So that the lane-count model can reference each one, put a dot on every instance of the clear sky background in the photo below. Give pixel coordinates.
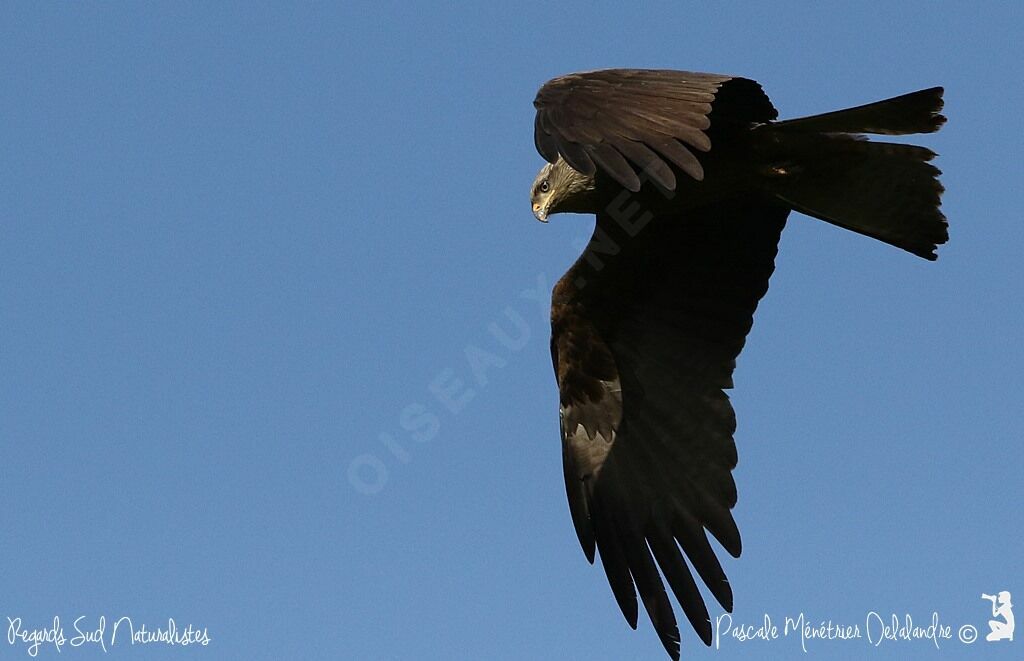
(239, 242)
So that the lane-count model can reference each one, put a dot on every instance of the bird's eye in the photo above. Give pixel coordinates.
(544, 187)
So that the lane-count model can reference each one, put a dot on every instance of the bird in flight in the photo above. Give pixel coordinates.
(691, 178)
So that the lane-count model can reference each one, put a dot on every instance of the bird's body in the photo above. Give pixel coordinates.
(691, 180)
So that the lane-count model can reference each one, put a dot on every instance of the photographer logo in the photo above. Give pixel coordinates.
(1001, 608)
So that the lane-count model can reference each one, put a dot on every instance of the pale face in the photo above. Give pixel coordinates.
(558, 188)
(542, 193)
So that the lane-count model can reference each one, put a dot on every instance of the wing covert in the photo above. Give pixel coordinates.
(631, 121)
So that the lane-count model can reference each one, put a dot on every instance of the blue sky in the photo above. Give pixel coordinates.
(243, 245)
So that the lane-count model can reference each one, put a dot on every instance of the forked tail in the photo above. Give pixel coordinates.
(823, 167)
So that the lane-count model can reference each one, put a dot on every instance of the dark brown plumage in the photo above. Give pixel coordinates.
(691, 180)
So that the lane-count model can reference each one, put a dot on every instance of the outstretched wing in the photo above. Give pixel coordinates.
(646, 327)
(613, 117)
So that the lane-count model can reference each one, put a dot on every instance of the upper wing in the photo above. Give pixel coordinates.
(613, 117)
(645, 332)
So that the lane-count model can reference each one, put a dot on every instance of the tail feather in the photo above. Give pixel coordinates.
(887, 191)
(917, 112)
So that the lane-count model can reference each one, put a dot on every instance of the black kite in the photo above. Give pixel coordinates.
(691, 179)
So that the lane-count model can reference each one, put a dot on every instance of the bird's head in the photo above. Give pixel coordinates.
(558, 188)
